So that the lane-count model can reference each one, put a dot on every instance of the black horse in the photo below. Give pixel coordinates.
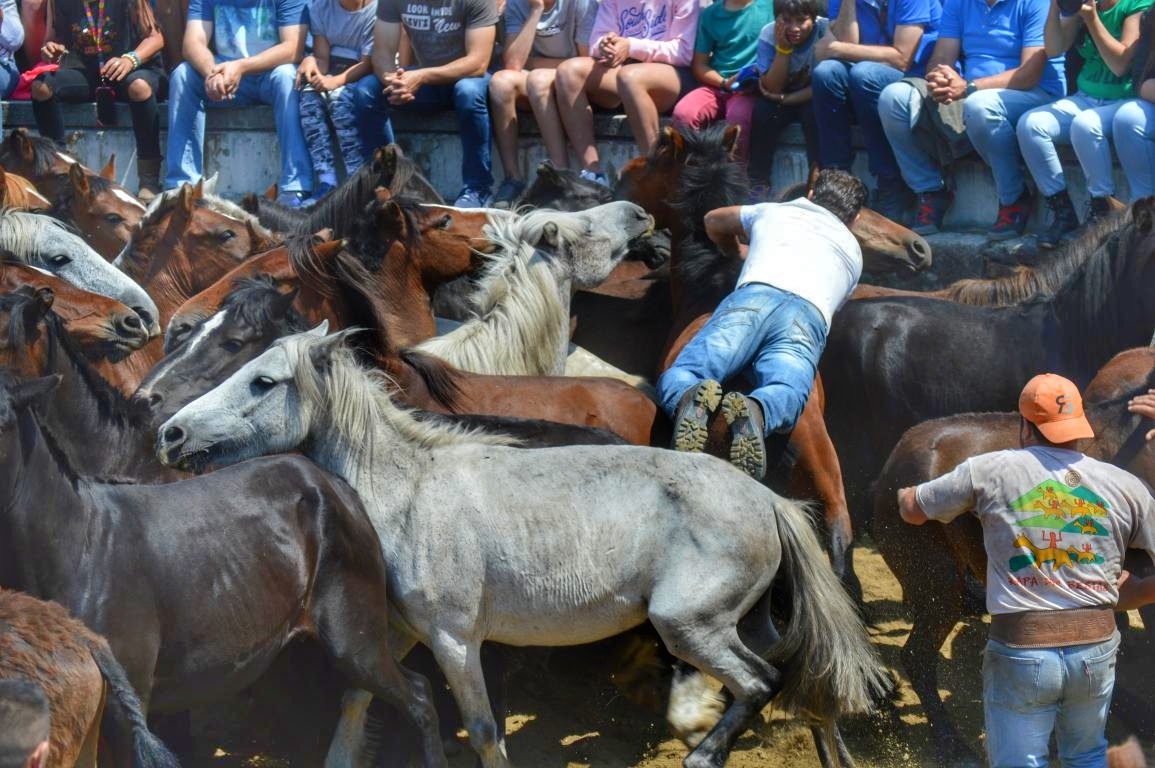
(892, 363)
(198, 585)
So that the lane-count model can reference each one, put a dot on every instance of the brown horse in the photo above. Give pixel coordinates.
(103, 327)
(20, 193)
(103, 212)
(932, 561)
(73, 665)
(43, 162)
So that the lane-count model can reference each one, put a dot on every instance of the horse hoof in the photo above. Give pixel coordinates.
(692, 421)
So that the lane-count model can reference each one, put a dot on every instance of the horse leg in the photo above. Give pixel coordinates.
(90, 748)
(461, 663)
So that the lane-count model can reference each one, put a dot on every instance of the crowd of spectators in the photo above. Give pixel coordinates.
(925, 81)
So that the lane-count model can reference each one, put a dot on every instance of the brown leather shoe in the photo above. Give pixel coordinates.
(692, 419)
(747, 434)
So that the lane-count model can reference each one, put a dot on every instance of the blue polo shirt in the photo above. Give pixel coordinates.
(991, 38)
(926, 13)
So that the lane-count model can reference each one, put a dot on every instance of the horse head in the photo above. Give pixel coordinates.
(584, 247)
(564, 190)
(103, 210)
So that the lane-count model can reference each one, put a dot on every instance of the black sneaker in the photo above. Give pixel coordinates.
(747, 435)
(1064, 221)
(892, 199)
(932, 208)
(692, 419)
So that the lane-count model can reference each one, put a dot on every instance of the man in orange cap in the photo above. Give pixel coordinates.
(1055, 526)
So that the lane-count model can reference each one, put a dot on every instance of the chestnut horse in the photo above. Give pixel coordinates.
(44, 162)
(103, 212)
(943, 555)
(73, 665)
(20, 193)
(103, 327)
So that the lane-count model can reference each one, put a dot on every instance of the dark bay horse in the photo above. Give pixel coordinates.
(932, 561)
(892, 363)
(139, 563)
(103, 212)
(74, 667)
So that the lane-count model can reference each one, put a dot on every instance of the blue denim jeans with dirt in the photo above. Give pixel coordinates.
(772, 336)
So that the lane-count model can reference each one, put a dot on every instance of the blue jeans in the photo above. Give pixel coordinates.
(1029, 692)
(318, 111)
(186, 124)
(843, 90)
(469, 96)
(9, 74)
(1082, 122)
(774, 335)
(990, 117)
(1134, 132)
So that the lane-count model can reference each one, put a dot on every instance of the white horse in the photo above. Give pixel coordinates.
(554, 546)
(523, 299)
(43, 242)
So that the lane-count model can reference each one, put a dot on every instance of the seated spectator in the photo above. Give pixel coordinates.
(1006, 72)
(171, 16)
(342, 40)
(539, 35)
(239, 53)
(785, 59)
(100, 44)
(727, 41)
(25, 722)
(639, 59)
(1106, 33)
(870, 44)
(1134, 126)
(451, 42)
(11, 38)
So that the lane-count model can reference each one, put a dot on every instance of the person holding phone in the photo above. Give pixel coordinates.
(108, 50)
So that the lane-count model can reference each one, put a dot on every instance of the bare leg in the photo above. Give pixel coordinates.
(646, 89)
(505, 88)
(579, 80)
(543, 102)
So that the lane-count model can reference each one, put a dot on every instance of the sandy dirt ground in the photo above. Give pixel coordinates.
(565, 712)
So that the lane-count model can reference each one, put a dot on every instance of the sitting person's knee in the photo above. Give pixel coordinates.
(284, 77)
(139, 90)
(471, 92)
(40, 90)
(505, 84)
(572, 73)
(539, 81)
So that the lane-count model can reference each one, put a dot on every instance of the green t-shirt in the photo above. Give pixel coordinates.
(731, 37)
(1095, 78)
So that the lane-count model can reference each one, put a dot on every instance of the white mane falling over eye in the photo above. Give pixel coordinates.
(22, 233)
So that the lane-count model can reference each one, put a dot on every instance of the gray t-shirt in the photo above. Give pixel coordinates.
(437, 27)
(1055, 524)
(560, 29)
(801, 60)
(350, 33)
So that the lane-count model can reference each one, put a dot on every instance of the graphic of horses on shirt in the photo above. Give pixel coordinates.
(1060, 525)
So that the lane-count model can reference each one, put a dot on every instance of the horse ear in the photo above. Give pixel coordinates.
(79, 179)
(545, 169)
(321, 330)
(188, 198)
(109, 169)
(271, 191)
(210, 184)
(47, 297)
(671, 143)
(34, 391)
(21, 144)
(730, 139)
(386, 158)
(249, 203)
(1143, 214)
(199, 190)
(390, 220)
(549, 233)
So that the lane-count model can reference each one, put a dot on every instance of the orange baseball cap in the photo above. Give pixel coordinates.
(1054, 405)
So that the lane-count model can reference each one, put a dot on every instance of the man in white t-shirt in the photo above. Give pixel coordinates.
(1055, 527)
(802, 264)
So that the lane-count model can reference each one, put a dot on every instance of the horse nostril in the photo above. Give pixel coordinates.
(132, 322)
(144, 314)
(154, 400)
(921, 251)
(174, 436)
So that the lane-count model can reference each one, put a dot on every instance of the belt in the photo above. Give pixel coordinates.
(1053, 629)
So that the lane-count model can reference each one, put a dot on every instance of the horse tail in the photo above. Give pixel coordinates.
(830, 667)
(148, 750)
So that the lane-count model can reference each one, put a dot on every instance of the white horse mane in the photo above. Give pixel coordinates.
(20, 231)
(521, 312)
(357, 400)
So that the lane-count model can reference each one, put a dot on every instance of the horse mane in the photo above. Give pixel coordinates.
(367, 246)
(708, 274)
(19, 231)
(249, 304)
(167, 201)
(1044, 279)
(517, 301)
(710, 177)
(45, 152)
(357, 399)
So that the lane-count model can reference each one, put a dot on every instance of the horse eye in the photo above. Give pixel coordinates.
(232, 346)
(59, 260)
(114, 218)
(445, 222)
(227, 235)
(263, 384)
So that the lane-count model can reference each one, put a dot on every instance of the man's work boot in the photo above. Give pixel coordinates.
(747, 434)
(692, 419)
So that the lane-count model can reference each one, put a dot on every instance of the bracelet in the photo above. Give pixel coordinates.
(131, 56)
(783, 51)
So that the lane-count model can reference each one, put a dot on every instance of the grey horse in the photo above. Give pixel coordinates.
(555, 546)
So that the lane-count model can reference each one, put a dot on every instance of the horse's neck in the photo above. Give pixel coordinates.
(408, 313)
(44, 524)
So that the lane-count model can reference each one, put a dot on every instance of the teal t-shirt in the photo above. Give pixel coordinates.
(1095, 78)
(731, 37)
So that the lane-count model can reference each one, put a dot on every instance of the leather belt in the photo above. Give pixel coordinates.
(1053, 629)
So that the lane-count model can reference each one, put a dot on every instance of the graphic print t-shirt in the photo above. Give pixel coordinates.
(244, 28)
(437, 27)
(1055, 524)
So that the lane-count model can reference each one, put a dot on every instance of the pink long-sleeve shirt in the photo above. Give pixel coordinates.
(661, 31)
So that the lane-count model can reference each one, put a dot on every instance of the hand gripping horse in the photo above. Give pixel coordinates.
(556, 546)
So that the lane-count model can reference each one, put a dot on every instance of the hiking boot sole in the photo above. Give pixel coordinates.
(693, 426)
(747, 446)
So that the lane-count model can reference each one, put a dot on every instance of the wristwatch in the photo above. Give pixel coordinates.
(971, 87)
